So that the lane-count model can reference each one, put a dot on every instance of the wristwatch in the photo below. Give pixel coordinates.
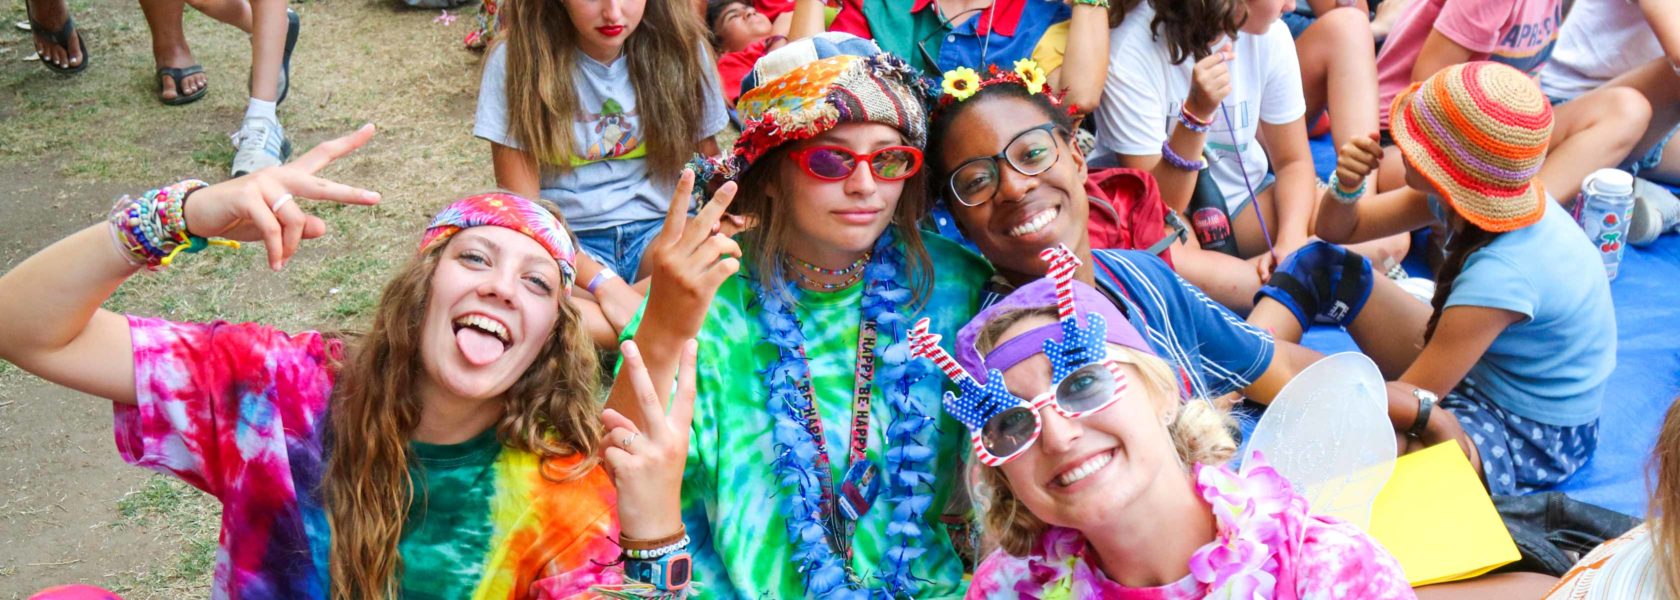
(668, 573)
(1426, 402)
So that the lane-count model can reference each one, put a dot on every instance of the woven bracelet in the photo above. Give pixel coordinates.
(1179, 162)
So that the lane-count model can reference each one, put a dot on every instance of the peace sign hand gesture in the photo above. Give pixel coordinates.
(259, 206)
(688, 261)
(647, 462)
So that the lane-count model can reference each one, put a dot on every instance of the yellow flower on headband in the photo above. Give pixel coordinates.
(1031, 75)
(961, 82)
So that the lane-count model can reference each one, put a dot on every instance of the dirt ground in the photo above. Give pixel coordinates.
(70, 510)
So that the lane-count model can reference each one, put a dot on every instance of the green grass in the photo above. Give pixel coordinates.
(173, 509)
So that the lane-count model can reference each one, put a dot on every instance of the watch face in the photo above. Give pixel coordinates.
(677, 571)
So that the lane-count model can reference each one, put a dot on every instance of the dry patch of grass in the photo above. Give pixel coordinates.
(356, 62)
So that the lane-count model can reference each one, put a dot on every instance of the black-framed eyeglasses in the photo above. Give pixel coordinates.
(1030, 153)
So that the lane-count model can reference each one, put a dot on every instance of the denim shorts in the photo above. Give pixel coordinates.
(1519, 455)
(620, 246)
(1652, 158)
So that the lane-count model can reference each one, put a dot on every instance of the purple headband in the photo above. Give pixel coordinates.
(1042, 294)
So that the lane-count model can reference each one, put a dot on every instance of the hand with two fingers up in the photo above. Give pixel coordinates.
(263, 205)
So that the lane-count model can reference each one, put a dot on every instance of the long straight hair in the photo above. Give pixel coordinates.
(549, 411)
(668, 70)
(774, 234)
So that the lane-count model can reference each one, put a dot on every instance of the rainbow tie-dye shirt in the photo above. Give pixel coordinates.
(238, 411)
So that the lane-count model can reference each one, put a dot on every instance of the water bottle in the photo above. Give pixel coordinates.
(1606, 205)
(1208, 217)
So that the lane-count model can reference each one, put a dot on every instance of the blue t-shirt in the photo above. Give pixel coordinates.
(1215, 350)
(1550, 366)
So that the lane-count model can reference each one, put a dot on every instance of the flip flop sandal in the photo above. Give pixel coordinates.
(178, 75)
(285, 85)
(60, 38)
(292, 27)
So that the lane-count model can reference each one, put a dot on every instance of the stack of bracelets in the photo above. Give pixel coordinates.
(662, 563)
(152, 229)
(1193, 123)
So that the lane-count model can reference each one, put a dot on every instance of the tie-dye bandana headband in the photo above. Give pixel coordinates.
(506, 210)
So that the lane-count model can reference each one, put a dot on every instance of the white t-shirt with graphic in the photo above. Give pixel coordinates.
(1144, 92)
(1601, 40)
(609, 184)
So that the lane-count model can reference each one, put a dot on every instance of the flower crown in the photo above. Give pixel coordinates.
(961, 83)
(1080, 345)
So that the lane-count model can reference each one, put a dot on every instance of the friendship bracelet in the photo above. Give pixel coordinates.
(1179, 162)
(1184, 114)
(657, 553)
(641, 544)
(1346, 197)
(1185, 119)
(604, 275)
(1103, 4)
(152, 230)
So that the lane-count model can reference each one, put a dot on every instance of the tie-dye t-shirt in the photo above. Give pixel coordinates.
(733, 505)
(238, 411)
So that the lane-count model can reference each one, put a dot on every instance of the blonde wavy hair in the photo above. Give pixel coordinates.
(1665, 500)
(550, 411)
(1200, 434)
(669, 70)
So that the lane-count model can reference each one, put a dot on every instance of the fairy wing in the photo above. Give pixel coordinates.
(1328, 432)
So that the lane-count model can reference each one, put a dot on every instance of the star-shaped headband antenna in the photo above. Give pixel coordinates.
(978, 402)
(1079, 346)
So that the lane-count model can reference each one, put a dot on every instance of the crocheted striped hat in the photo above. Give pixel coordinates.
(1478, 132)
(810, 86)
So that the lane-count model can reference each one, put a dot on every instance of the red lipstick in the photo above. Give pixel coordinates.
(610, 30)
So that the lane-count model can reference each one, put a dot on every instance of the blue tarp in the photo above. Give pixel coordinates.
(1647, 377)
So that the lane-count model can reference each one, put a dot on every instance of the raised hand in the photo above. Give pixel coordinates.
(1357, 159)
(1210, 83)
(688, 261)
(261, 206)
(647, 461)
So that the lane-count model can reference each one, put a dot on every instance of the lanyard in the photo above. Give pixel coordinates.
(839, 527)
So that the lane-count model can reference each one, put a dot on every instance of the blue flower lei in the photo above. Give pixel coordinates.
(909, 459)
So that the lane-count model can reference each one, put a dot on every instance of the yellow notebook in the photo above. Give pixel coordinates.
(1436, 518)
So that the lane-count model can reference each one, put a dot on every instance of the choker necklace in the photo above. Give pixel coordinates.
(855, 267)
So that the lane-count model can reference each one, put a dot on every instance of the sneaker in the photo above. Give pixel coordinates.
(261, 143)
(1655, 211)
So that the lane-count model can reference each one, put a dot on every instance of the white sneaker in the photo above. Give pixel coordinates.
(261, 143)
(1655, 211)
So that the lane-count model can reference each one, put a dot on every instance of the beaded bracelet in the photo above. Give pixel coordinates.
(1189, 122)
(657, 553)
(1179, 162)
(1345, 197)
(152, 229)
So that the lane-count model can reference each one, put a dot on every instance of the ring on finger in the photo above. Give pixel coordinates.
(284, 198)
(628, 440)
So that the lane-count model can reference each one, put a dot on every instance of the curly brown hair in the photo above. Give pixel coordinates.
(1200, 434)
(549, 411)
(1190, 27)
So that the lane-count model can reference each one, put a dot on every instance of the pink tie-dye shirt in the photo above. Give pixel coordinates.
(238, 411)
(1267, 546)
